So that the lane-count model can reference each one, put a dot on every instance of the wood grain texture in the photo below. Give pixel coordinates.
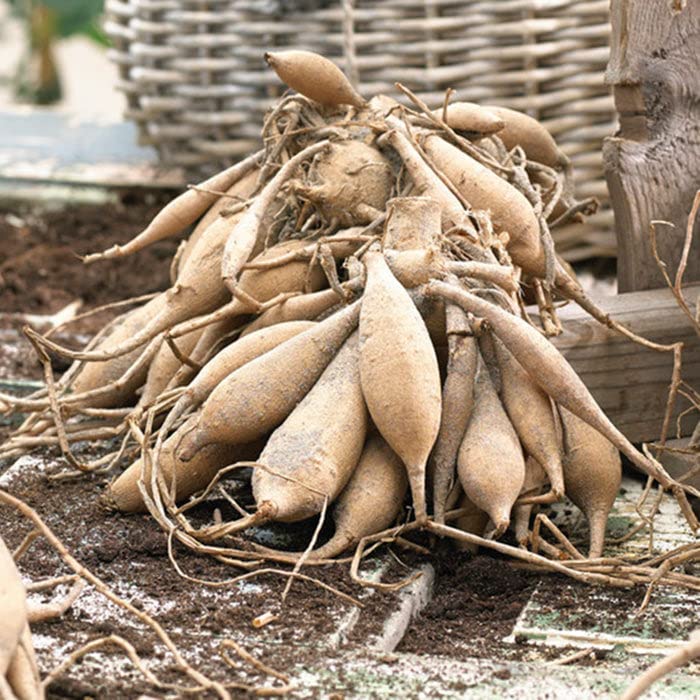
(652, 164)
(629, 381)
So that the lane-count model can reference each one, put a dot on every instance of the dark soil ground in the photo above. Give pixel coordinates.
(41, 273)
(39, 268)
(130, 552)
(477, 599)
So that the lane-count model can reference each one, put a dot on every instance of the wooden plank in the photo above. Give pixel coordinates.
(678, 464)
(631, 382)
(43, 147)
(652, 164)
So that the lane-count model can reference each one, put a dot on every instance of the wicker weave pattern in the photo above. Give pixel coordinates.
(198, 87)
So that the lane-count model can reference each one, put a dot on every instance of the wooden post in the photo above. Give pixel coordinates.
(652, 164)
(630, 382)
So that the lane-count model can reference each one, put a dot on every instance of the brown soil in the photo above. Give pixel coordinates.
(129, 553)
(39, 268)
(477, 601)
(40, 272)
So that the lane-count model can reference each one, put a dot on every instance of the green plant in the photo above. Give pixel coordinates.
(37, 79)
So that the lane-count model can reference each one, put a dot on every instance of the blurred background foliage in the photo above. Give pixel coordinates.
(37, 79)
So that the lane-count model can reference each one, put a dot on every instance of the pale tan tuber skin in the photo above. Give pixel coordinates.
(349, 184)
(229, 359)
(525, 131)
(263, 284)
(13, 608)
(545, 364)
(490, 463)
(182, 211)
(371, 501)
(197, 290)
(303, 307)
(209, 341)
(483, 189)
(411, 233)
(93, 375)
(457, 404)
(318, 445)
(426, 183)
(189, 477)
(258, 396)
(341, 244)
(469, 116)
(23, 673)
(417, 267)
(592, 474)
(500, 275)
(474, 520)
(235, 195)
(530, 411)
(19, 677)
(414, 267)
(412, 223)
(164, 366)
(315, 77)
(535, 481)
(399, 373)
(247, 237)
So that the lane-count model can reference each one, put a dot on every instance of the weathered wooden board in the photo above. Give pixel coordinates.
(653, 163)
(678, 464)
(629, 381)
(43, 147)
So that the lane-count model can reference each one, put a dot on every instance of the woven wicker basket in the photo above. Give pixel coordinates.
(198, 87)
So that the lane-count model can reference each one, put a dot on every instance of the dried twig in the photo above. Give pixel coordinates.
(674, 660)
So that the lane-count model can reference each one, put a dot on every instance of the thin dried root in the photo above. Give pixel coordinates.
(676, 285)
(25, 544)
(241, 304)
(129, 650)
(41, 613)
(542, 499)
(568, 288)
(270, 691)
(381, 537)
(586, 207)
(560, 536)
(50, 582)
(216, 532)
(575, 656)
(55, 407)
(309, 548)
(675, 660)
(253, 574)
(548, 315)
(104, 307)
(73, 402)
(86, 574)
(529, 557)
